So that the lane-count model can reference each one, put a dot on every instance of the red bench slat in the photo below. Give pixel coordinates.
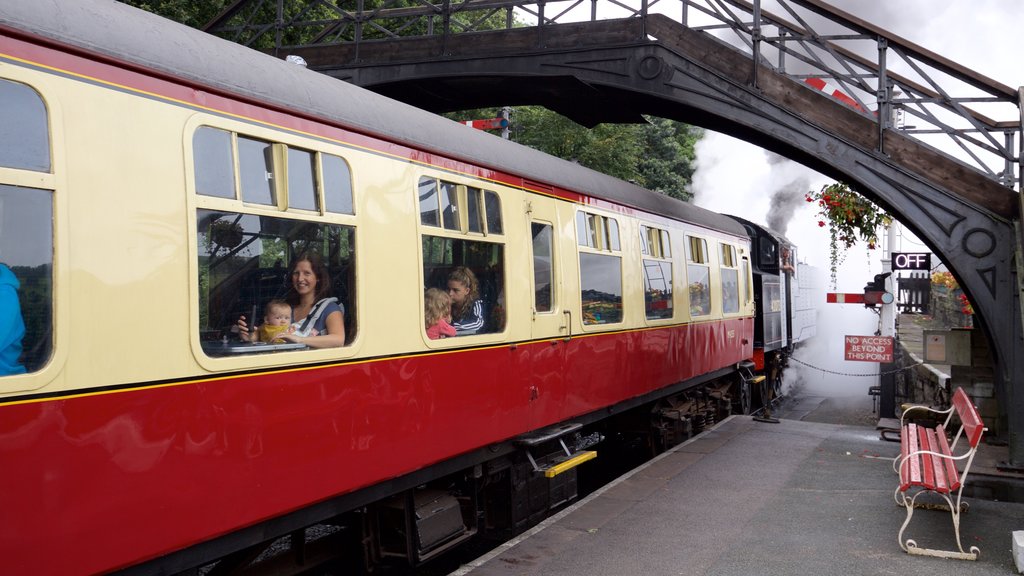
(927, 464)
(910, 471)
(969, 417)
(952, 474)
(940, 483)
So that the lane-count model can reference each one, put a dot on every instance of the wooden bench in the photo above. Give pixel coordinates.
(928, 464)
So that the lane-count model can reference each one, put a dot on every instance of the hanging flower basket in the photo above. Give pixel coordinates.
(849, 217)
(226, 234)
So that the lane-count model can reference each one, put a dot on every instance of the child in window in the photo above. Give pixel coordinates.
(277, 316)
(467, 307)
(437, 312)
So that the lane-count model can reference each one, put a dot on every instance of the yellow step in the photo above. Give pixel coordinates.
(571, 463)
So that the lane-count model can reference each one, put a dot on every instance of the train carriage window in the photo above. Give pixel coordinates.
(26, 249)
(485, 262)
(728, 253)
(310, 180)
(449, 194)
(657, 274)
(337, 177)
(583, 231)
(459, 208)
(746, 290)
(256, 169)
(730, 280)
(428, 202)
(600, 272)
(598, 232)
(473, 213)
(493, 211)
(302, 189)
(244, 261)
(214, 162)
(24, 128)
(600, 288)
(613, 234)
(26, 233)
(698, 274)
(543, 266)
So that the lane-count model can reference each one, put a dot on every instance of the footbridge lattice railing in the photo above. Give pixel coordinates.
(900, 85)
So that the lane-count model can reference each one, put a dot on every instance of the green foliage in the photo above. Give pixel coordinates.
(610, 148)
(194, 14)
(668, 161)
(659, 155)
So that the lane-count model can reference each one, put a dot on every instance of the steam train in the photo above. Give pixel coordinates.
(156, 183)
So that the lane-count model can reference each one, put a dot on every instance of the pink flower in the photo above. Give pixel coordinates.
(821, 224)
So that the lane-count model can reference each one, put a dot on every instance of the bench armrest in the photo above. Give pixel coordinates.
(904, 459)
(921, 407)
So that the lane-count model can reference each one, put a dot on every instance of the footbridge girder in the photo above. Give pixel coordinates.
(614, 71)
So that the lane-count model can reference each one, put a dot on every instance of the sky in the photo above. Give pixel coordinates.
(735, 177)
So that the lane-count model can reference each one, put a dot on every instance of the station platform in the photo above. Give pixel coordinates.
(747, 497)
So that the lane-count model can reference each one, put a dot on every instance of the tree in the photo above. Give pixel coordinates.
(667, 164)
(658, 155)
(194, 14)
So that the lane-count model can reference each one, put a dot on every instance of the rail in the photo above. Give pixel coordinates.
(900, 85)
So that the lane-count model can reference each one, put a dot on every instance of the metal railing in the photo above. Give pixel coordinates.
(898, 84)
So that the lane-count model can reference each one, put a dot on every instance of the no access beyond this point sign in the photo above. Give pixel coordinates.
(869, 348)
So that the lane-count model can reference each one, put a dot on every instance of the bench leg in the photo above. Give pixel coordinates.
(910, 546)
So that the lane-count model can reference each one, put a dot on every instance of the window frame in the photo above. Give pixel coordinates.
(280, 146)
(197, 201)
(462, 194)
(52, 181)
(602, 234)
(728, 261)
(697, 256)
(551, 266)
(462, 233)
(656, 249)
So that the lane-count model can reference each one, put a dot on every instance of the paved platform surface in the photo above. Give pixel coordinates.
(749, 498)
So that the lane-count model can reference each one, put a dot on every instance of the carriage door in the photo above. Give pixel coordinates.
(548, 320)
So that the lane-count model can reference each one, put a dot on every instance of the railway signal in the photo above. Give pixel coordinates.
(875, 292)
(844, 298)
(487, 123)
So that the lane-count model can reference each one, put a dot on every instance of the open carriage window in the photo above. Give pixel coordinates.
(477, 270)
(244, 262)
